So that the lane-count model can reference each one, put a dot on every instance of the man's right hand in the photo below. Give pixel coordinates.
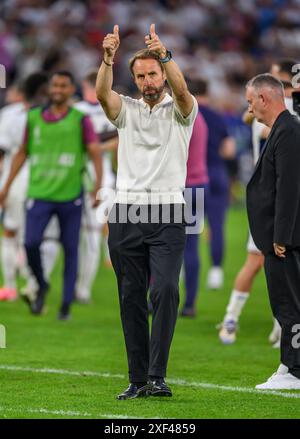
(111, 43)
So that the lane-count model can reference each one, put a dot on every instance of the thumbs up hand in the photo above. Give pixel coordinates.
(111, 43)
(154, 44)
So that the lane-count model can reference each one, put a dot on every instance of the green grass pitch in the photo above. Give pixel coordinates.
(41, 369)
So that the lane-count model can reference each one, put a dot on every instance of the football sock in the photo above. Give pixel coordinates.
(236, 303)
(276, 326)
(9, 261)
(89, 256)
(106, 249)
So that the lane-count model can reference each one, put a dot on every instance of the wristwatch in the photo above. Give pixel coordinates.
(167, 58)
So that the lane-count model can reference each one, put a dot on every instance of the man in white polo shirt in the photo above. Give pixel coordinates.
(154, 134)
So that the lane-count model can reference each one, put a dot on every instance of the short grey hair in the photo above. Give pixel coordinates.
(266, 80)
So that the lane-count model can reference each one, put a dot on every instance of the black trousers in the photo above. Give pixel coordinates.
(147, 255)
(283, 280)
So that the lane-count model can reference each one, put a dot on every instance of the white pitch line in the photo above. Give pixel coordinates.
(178, 382)
(61, 372)
(232, 388)
(69, 413)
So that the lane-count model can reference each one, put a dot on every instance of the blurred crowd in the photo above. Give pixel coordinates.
(226, 41)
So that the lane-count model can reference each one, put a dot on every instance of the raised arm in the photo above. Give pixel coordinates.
(175, 78)
(109, 99)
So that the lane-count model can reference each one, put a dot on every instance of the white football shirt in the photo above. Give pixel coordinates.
(99, 119)
(101, 124)
(13, 119)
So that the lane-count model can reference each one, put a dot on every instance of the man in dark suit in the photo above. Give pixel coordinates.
(273, 204)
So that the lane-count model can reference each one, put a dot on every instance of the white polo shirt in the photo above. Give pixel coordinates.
(153, 151)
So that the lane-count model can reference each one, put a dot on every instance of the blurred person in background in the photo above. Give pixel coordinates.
(14, 94)
(93, 223)
(12, 98)
(50, 34)
(240, 293)
(13, 118)
(220, 146)
(197, 178)
(56, 140)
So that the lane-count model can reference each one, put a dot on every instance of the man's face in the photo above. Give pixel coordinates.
(149, 79)
(61, 89)
(256, 103)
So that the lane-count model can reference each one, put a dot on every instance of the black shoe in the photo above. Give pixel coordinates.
(133, 391)
(37, 306)
(159, 388)
(64, 312)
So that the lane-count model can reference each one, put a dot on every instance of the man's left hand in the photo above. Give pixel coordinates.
(154, 44)
(279, 250)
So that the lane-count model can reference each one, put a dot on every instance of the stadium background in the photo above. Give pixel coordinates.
(41, 375)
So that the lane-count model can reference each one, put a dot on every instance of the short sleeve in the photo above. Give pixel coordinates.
(120, 120)
(88, 132)
(190, 119)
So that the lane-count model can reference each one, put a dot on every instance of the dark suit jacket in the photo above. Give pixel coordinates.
(273, 192)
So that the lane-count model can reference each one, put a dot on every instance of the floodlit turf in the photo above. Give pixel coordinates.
(92, 341)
